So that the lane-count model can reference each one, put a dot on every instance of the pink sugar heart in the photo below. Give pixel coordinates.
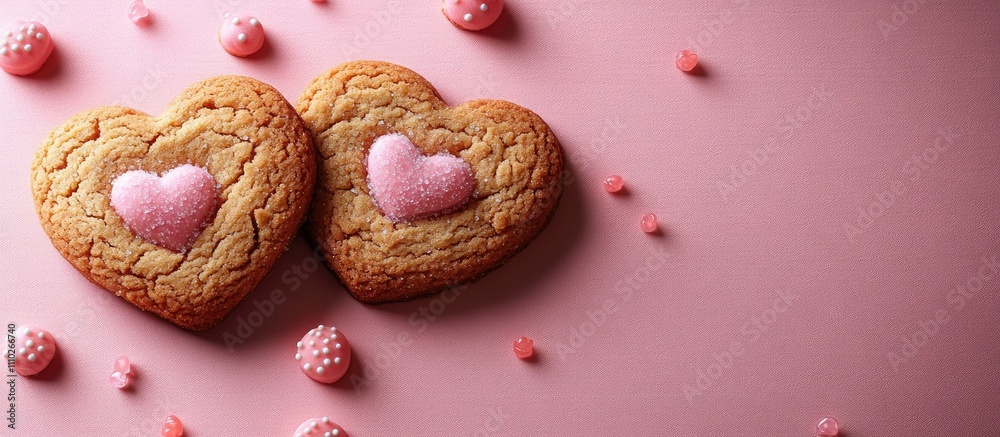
(168, 211)
(407, 185)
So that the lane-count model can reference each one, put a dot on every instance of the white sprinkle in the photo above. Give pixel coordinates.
(236, 20)
(39, 36)
(326, 341)
(22, 351)
(14, 48)
(31, 28)
(298, 357)
(29, 343)
(41, 348)
(483, 7)
(25, 331)
(27, 48)
(312, 343)
(326, 419)
(307, 366)
(315, 353)
(3, 51)
(335, 432)
(336, 360)
(7, 34)
(326, 350)
(320, 370)
(31, 357)
(298, 345)
(21, 29)
(241, 37)
(334, 336)
(319, 327)
(254, 22)
(337, 345)
(326, 361)
(468, 17)
(41, 335)
(20, 38)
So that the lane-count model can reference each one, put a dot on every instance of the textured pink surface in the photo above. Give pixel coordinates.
(828, 190)
(407, 184)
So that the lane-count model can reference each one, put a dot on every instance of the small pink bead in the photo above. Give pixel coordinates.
(34, 349)
(172, 427)
(687, 60)
(119, 378)
(613, 183)
(828, 427)
(524, 347)
(137, 12)
(649, 223)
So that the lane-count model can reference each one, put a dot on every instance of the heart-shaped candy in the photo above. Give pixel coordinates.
(414, 195)
(407, 185)
(168, 211)
(238, 171)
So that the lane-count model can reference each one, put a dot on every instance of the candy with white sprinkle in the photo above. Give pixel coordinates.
(241, 35)
(35, 350)
(472, 14)
(322, 363)
(319, 427)
(24, 51)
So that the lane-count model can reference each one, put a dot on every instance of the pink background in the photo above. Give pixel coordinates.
(759, 168)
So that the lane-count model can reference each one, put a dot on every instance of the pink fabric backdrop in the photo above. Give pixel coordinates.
(828, 188)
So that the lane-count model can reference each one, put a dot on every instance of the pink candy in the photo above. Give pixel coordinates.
(24, 47)
(241, 35)
(407, 185)
(34, 350)
(613, 183)
(137, 12)
(472, 14)
(319, 427)
(324, 354)
(524, 348)
(686, 60)
(168, 211)
(649, 223)
(828, 427)
(120, 376)
(172, 427)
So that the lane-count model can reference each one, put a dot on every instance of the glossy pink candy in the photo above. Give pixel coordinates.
(686, 60)
(34, 350)
(828, 427)
(168, 211)
(613, 183)
(472, 14)
(324, 354)
(172, 427)
(649, 223)
(120, 375)
(407, 185)
(137, 12)
(319, 427)
(241, 35)
(524, 348)
(24, 47)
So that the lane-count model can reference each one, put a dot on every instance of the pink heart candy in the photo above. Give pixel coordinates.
(168, 211)
(407, 185)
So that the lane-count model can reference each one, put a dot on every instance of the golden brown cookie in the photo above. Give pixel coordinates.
(254, 147)
(515, 159)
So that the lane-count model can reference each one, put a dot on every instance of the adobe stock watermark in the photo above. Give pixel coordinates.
(577, 334)
(151, 80)
(262, 309)
(751, 332)
(611, 130)
(153, 423)
(713, 28)
(791, 121)
(560, 11)
(494, 423)
(898, 15)
(223, 8)
(956, 300)
(375, 27)
(48, 10)
(912, 171)
(391, 350)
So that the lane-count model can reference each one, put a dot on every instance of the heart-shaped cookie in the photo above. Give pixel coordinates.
(207, 196)
(382, 256)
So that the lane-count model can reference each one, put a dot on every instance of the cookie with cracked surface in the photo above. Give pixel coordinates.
(396, 223)
(182, 214)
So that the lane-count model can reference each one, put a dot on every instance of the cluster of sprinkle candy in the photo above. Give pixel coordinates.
(35, 349)
(241, 35)
(23, 52)
(324, 354)
(319, 427)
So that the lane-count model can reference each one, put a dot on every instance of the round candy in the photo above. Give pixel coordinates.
(613, 183)
(686, 60)
(241, 35)
(137, 12)
(35, 348)
(24, 47)
(324, 354)
(524, 348)
(319, 428)
(828, 427)
(649, 223)
(172, 427)
(472, 14)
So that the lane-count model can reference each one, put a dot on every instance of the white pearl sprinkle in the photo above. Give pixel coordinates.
(333, 328)
(31, 28)
(307, 366)
(326, 419)
(326, 361)
(255, 23)
(337, 345)
(241, 37)
(298, 345)
(31, 357)
(39, 36)
(22, 351)
(484, 7)
(3, 51)
(41, 335)
(7, 34)
(298, 357)
(14, 48)
(320, 327)
(20, 38)
(25, 331)
(315, 353)
(236, 20)
(335, 432)
(327, 434)
(336, 360)
(41, 348)
(21, 29)
(27, 48)
(326, 341)
(326, 350)
(312, 343)
(334, 336)
(29, 343)
(468, 17)
(314, 425)
(317, 334)
(320, 370)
